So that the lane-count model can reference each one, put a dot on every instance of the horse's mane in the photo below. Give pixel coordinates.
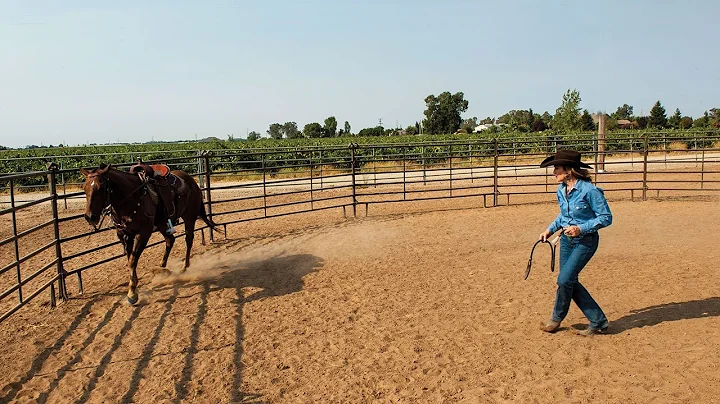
(102, 166)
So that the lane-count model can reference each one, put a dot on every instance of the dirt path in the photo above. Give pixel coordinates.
(397, 307)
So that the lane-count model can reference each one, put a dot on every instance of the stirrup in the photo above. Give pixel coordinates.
(171, 228)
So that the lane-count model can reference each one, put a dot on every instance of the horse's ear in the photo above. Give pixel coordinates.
(84, 172)
(103, 169)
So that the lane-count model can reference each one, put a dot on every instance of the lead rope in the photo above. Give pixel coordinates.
(553, 247)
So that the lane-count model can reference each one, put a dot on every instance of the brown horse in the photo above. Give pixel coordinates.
(126, 199)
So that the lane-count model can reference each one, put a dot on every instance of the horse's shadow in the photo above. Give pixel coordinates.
(654, 315)
(274, 276)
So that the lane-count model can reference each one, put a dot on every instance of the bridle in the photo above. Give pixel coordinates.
(553, 247)
(108, 210)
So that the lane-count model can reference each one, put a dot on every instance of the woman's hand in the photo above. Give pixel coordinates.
(572, 231)
(545, 235)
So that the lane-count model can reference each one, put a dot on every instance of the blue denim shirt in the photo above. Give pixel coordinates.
(585, 207)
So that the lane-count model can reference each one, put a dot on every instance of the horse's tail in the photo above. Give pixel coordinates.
(207, 220)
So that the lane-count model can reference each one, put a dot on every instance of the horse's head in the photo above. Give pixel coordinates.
(96, 192)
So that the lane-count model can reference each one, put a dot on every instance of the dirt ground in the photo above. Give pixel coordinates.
(418, 302)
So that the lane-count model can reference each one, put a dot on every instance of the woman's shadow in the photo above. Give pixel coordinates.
(655, 315)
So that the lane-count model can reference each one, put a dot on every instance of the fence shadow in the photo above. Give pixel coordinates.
(275, 276)
(37, 364)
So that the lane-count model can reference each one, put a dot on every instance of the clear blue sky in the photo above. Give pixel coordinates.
(98, 71)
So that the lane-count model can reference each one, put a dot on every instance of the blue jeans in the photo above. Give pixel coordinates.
(575, 252)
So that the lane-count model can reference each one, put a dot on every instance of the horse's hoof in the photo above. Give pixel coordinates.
(133, 300)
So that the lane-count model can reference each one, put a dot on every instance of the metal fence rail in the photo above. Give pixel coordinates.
(248, 185)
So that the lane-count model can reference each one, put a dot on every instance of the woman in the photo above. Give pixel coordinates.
(583, 211)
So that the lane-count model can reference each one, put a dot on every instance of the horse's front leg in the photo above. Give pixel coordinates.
(127, 243)
(141, 241)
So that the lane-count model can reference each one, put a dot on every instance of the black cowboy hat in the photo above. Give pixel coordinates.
(569, 158)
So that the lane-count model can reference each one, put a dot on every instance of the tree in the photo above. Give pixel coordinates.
(567, 116)
(686, 122)
(330, 127)
(702, 122)
(538, 125)
(487, 121)
(347, 129)
(586, 121)
(290, 129)
(275, 131)
(623, 112)
(376, 131)
(468, 125)
(443, 112)
(411, 130)
(253, 136)
(313, 130)
(658, 119)
(642, 122)
(546, 118)
(714, 117)
(531, 119)
(515, 118)
(610, 122)
(674, 120)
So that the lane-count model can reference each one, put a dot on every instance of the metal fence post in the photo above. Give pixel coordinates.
(52, 182)
(352, 169)
(702, 169)
(62, 178)
(15, 241)
(208, 195)
(200, 169)
(312, 180)
(404, 173)
(645, 167)
(374, 168)
(595, 152)
(262, 162)
(495, 173)
(472, 175)
(450, 153)
(422, 151)
(322, 187)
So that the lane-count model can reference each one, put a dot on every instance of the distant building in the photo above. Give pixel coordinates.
(621, 123)
(486, 126)
(625, 124)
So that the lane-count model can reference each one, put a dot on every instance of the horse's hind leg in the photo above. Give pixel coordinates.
(189, 236)
(169, 241)
(141, 241)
